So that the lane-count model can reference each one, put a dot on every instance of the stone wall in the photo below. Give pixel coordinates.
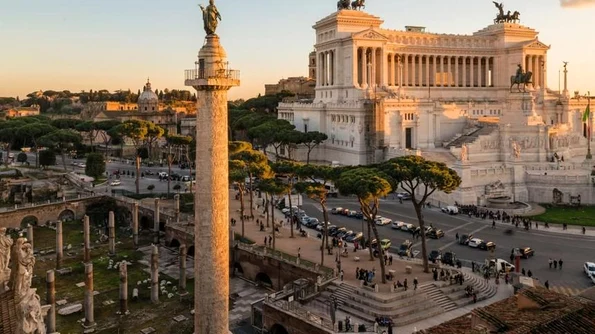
(274, 316)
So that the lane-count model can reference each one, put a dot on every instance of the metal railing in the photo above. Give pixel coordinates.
(221, 73)
(66, 199)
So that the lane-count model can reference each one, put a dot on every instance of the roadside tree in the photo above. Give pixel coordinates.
(420, 178)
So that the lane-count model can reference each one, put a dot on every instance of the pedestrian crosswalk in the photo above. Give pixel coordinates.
(566, 290)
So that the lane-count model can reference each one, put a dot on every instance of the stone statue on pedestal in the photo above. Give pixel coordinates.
(210, 17)
(5, 249)
(516, 150)
(464, 153)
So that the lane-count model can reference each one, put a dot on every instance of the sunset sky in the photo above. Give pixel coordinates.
(115, 44)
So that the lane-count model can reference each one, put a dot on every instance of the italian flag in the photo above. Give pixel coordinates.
(586, 119)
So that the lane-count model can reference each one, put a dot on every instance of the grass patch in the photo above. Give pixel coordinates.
(582, 216)
(99, 180)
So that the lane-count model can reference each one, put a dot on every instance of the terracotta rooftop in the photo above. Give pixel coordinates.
(7, 313)
(531, 311)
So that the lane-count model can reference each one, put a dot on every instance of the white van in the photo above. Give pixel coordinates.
(451, 210)
(501, 265)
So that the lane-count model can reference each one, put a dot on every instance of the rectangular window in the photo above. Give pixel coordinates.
(305, 127)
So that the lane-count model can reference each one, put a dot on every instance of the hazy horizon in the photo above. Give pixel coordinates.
(113, 45)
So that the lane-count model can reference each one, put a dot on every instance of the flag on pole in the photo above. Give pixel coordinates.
(587, 114)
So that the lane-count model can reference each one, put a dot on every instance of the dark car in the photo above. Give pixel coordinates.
(526, 252)
(176, 177)
(332, 229)
(465, 238)
(405, 248)
(449, 258)
(435, 233)
(339, 230)
(435, 255)
(486, 245)
(149, 172)
(358, 215)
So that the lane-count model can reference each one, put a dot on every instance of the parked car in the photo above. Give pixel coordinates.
(186, 178)
(149, 172)
(465, 238)
(451, 210)
(435, 256)
(176, 177)
(449, 258)
(487, 245)
(320, 226)
(405, 248)
(344, 212)
(397, 225)
(339, 230)
(359, 215)
(383, 221)
(354, 237)
(384, 245)
(332, 229)
(336, 211)
(474, 243)
(343, 234)
(589, 269)
(403, 196)
(501, 265)
(304, 220)
(434, 233)
(351, 213)
(115, 183)
(526, 252)
(311, 222)
(408, 227)
(162, 174)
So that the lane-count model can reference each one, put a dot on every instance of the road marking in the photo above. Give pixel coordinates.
(458, 227)
(454, 242)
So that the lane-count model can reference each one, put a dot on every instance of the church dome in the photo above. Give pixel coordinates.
(148, 95)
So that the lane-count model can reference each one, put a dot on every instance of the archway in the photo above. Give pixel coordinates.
(191, 251)
(278, 329)
(238, 270)
(174, 243)
(29, 220)
(66, 215)
(264, 280)
(145, 223)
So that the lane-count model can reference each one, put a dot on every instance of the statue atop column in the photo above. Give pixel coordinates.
(5, 248)
(210, 17)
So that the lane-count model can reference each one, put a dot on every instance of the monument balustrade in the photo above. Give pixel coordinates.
(222, 73)
(296, 309)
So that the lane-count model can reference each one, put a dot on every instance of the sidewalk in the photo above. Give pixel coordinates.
(553, 228)
(309, 248)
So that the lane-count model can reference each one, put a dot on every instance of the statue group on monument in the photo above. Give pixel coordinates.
(508, 17)
(521, 78)
(355, 5)
(210, 17)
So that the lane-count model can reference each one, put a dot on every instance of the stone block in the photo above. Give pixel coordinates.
(408, 269)
(80, 285)
(180, 318)
(71, 309)
(65, 271)
(61, 302)
(148, 330)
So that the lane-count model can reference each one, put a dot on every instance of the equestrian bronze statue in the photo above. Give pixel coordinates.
(521, 78)
(506, 18)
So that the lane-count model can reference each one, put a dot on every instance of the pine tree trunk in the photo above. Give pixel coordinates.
(325, 244)
(242, 207)
(422, 227)
(290, 213)
(137, 174)
(380, 255)
(273, 220)
(251, 196)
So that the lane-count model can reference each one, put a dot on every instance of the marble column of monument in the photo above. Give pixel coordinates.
(135, 224)
(30, 235)
(112, 233)
(156, 222)
(51, 300)
(89, 297)
(59, 245)
(177, 208)
(212, 79)
(86, 239)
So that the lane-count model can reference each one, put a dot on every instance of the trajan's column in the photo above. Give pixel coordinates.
(212, 78)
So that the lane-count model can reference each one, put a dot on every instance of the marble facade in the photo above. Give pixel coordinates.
(384, 93)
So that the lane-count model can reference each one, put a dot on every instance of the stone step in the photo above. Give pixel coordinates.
(412, 318)
(439, 298)
(357, 313)
(415, 307)
(409, 297)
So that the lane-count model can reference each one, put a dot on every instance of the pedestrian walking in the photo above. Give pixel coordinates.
(529, 273)
(341, 275)
(457, 236)
(300, 255)
(584, 230)
(415, 282)
(524, 272)
(555, 264)
(390, 260)
(550, 262)
(560, 263)
(547, 284)
(493, 224)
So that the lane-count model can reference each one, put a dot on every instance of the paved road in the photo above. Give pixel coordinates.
(127, 181)
(573, 249)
